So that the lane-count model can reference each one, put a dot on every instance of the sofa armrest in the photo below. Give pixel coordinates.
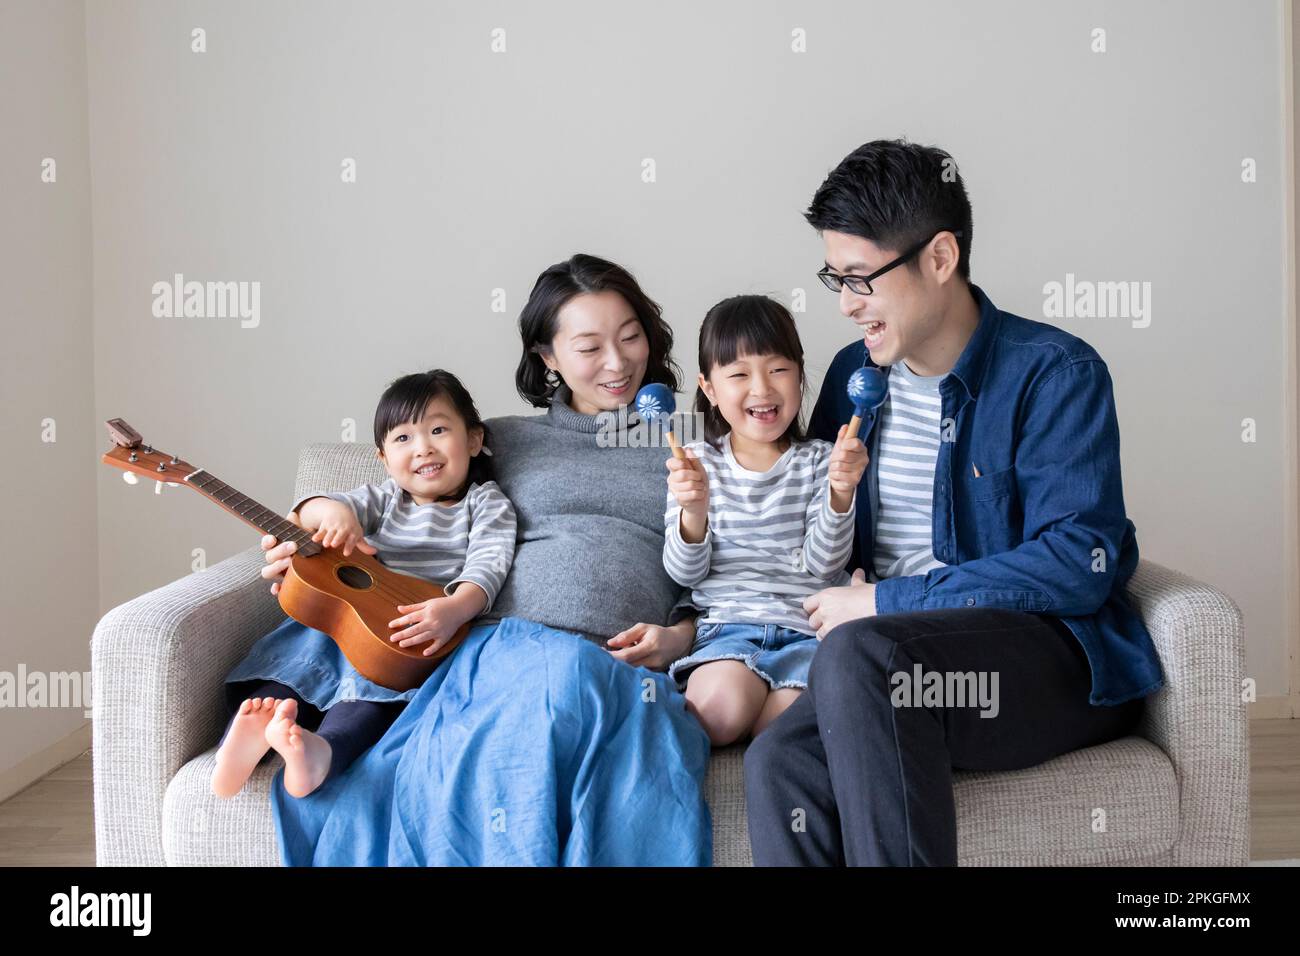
(158, 664)
(1198, 718)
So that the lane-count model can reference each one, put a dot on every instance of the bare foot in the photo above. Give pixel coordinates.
(243, 747)
(306, 755)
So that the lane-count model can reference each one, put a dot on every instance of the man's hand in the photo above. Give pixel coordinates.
(829, 608)
(651, 646)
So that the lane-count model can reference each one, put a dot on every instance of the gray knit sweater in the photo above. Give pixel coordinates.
(590, 518)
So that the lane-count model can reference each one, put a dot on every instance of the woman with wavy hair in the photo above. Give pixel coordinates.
(552, 737)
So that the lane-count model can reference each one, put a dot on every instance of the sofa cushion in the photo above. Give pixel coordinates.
(1043, 816)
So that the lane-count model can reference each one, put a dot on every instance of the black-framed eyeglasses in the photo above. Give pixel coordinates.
(862, 284)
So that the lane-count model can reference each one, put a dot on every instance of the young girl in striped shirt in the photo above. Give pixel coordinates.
(758, 519)
(438, 516)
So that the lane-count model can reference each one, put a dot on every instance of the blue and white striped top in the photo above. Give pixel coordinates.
(772, 539)
(904, 463)
(471, 540)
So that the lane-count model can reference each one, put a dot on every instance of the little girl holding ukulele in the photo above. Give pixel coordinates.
(438, 516)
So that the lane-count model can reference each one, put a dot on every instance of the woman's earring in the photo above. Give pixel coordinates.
(552, 378)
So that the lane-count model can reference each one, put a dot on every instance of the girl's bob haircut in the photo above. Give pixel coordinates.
(747, 325)
(405, 400)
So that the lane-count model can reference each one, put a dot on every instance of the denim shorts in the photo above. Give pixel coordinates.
(779, 655)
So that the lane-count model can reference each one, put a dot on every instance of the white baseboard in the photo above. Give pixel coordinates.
(22, 775)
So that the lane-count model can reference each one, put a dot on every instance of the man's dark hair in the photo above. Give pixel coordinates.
(896, 194)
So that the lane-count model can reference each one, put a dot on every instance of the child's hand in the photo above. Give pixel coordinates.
(847, 465)
(690, 487)
(434, 622)
(339, 527)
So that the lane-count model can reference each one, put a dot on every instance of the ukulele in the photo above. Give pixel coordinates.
(351, 599)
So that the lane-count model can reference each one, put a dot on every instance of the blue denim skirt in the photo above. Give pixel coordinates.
(311, 663)
(779, 655)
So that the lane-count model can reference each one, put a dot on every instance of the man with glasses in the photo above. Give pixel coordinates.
(986, 627)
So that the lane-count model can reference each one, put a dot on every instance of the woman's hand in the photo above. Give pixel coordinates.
(848, 463)
(689, 485)
(652, 646)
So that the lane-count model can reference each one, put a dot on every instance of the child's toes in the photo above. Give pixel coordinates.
(288, 710)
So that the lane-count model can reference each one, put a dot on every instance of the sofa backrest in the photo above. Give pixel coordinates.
(336, 466)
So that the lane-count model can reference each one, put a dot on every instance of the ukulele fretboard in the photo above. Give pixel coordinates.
(256, 514)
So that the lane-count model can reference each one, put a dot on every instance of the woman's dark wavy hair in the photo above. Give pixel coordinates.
(540, 319)
(896, 194)
(747, 325)
(405, 400)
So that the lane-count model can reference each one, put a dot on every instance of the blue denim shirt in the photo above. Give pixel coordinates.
(1042, 528)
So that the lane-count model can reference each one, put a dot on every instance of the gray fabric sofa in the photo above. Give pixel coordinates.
(1173, 794)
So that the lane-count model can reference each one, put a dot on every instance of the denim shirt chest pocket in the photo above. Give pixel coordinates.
(988, 516)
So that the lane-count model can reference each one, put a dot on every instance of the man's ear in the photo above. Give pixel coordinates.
(707, 389)
(944, 255)
(475, 441)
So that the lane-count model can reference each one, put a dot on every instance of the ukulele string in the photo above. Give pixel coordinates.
(300, 537)
(394, 592)
(290, 531)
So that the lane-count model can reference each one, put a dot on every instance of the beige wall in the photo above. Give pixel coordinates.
(476, 170)
(49, 600)
(1291, 122)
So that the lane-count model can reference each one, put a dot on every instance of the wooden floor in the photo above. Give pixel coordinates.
(51, 823)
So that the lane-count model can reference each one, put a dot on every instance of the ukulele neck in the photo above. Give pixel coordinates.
(250, 511)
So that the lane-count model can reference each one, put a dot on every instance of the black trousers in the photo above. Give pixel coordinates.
(848, 775)
(350, 726)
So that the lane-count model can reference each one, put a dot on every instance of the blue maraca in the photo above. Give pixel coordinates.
(867, 388)
(657, 402)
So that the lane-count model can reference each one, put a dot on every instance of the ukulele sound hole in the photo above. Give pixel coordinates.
(355, 577)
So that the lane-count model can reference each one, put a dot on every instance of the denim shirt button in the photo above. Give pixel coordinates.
(970, 601)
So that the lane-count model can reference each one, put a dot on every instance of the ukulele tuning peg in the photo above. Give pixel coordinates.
(161, 466)
(134, 457)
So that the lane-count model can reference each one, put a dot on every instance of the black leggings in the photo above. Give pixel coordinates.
(848, 776)
(350, 726)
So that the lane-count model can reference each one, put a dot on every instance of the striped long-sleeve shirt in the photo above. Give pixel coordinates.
(905, 460)
(471, 540)
(772, 539)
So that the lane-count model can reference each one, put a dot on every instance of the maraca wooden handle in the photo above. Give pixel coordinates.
(854, 424)
(678, 452)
